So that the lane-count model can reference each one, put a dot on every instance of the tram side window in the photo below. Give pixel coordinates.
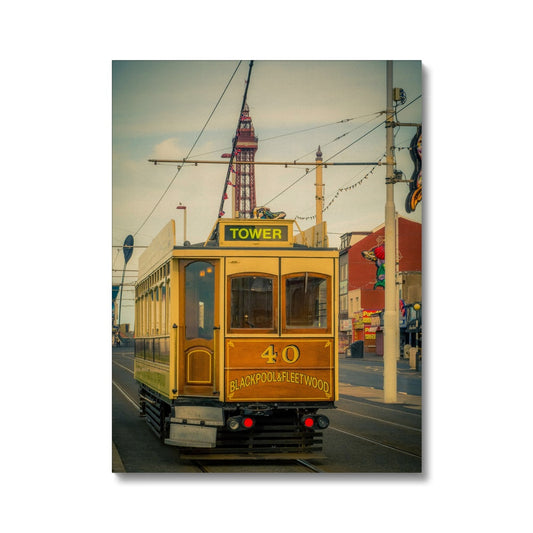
(252, 302)
(306, 301)
(200, 300)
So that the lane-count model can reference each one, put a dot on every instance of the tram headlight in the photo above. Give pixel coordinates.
(234, 423)
(237, 423)
(312, 421)
(322, 421)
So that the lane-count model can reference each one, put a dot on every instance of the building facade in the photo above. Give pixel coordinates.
(361, 278)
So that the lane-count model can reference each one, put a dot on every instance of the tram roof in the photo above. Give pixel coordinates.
(234, 236)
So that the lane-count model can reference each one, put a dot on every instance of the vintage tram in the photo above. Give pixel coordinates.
(236, 340)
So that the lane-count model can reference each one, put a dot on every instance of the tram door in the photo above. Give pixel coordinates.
(200, 328)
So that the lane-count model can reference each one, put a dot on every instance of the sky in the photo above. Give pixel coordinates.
(159, 109)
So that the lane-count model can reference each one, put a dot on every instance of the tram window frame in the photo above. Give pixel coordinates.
(290, 329)
(274, 304)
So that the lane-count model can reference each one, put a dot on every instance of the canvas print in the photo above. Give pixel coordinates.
(267, 267)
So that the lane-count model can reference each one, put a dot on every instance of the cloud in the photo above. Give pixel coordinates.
(168, 149)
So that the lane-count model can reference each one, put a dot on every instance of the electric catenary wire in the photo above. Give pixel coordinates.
(235, 139)
(323, 163)
(342, 121)
(339, 137)
(345, 189)
(339, 152)
(190, 151)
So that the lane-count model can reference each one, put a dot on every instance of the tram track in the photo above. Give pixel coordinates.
(301, 462)
(376, 443)
(127, 355)
(364, 401)
(310, 466)
(126, 395)
(201, 467)
(305, 465)
(403, 426)
(196, 463)
(124, 367)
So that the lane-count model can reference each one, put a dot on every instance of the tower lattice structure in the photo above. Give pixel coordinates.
(244, 171)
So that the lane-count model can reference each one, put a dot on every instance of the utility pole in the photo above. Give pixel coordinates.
(391, 324)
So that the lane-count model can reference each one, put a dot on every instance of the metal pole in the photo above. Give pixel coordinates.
(278, 163)
(233, 202)
(127, 249)
(390, 324)
(184, 225)
(121, 291)
(319, 192)
(184, 209)
(397, 285)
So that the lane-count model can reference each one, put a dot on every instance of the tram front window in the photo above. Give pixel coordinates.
(252, 304)
(306, 302)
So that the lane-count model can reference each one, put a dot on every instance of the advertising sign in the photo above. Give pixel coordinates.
(415, 187)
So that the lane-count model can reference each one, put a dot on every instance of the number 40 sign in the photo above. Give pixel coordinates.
(289, 354)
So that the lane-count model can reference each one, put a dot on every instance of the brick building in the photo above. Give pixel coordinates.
(362, 293)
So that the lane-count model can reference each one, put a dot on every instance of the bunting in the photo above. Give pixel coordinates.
(345, 189)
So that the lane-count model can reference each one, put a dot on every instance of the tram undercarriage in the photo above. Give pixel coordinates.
(209, 427)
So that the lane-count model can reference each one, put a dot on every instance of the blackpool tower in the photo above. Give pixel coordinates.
(245, 148)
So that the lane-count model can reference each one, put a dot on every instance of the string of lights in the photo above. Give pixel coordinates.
(339, 152)
(345, 189)
(325, 162)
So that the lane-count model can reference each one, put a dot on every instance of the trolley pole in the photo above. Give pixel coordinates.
(391, 303)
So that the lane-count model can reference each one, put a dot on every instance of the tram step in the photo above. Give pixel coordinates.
(194, 436)
(197, 415)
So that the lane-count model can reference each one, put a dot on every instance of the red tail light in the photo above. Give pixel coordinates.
(308, 421)
(238, 423)
(315, 421)
(247, 422)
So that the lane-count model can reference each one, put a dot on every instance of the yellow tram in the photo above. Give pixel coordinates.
(236, 339)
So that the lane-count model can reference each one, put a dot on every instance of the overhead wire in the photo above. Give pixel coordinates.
(344, 120)
(339, 152)
(235, 139)
(324, 162)
(345, 188)
(190, 151)
(339, 137)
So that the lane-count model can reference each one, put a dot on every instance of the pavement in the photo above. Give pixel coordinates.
(372, 394)
(117, 465)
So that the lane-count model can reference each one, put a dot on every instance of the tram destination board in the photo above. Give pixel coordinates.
(257, 233)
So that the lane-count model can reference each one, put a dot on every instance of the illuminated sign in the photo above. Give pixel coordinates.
(415, 187)
(256, 233)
